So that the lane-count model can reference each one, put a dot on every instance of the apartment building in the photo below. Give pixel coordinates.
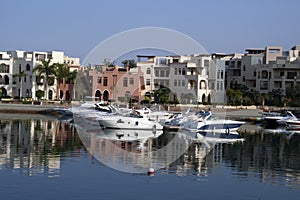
(117, 83)
(12, 63)
(264, 69)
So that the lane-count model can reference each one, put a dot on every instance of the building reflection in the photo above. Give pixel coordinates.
(34, 146)
(273, 158)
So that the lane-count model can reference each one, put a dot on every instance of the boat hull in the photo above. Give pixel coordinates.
(129, 123)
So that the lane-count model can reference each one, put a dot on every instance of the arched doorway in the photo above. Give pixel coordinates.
(203, 98)
(105, 95)
(50, 95)
(209, 99)
(3, 92)
(98, 95)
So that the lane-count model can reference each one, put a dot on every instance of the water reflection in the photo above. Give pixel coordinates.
(36, 146)
(33, 145)
(271, 158)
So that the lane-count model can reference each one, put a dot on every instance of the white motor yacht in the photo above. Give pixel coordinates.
(207, 121)
(134, 121)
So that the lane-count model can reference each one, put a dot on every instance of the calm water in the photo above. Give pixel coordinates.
(43, 158)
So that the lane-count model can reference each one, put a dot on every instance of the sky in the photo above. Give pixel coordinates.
(77, 27)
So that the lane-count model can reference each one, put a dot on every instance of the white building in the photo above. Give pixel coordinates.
(191, 79)
(12, 63)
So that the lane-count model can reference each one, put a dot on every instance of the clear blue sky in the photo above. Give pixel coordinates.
(76, 27)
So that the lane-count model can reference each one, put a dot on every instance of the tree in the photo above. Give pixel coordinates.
(293, 95)
(47, 70)
(21, 75)
(63, 74)
(162, 95)
(129, 63)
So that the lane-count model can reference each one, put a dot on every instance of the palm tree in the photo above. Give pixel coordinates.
(21, 75)
(61, 73)
(72, 77)
(47, 70)
(129, 63)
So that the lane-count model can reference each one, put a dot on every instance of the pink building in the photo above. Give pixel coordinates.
(117, 83)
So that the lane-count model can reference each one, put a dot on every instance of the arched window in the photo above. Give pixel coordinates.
(1, 79)
(6, 80)
(202, 85)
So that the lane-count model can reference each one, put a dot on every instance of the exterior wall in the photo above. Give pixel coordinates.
(122, 83)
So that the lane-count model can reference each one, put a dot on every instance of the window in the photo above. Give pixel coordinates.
(148, 81)
(244, 67)
(24, 79)
(183, 71)
(131, 81)
(264, 85)
(182, 83)
(178, 83)
(175, 72)
(218, 74)
(105, 81)
(162, 73)
(125, 82)
(167, 83)
(148, 70)
(244, 79)
(99, 79)
(4, 68)
(175, 83)
(20, 68)
(206, 63)
(156, 73)
(254, 73)
(27, 67)
(179, 71)
(264, 74)
(291, 75)
(222, 74)
(167, 73)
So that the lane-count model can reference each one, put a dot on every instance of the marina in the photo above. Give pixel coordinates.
(40, 151)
